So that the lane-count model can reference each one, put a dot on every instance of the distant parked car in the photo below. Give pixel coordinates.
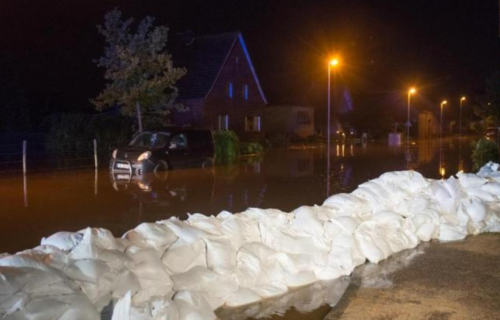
(492, 133)
(164, 149)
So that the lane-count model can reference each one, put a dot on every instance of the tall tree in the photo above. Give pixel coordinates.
(140, 74)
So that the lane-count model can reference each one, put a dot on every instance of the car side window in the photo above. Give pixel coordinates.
(178, 142)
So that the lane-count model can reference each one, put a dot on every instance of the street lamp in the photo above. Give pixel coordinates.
(334, 63)
(442, 105)
(461, 103)
(408, 123)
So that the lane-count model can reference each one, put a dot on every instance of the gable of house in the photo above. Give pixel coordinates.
(221, 82)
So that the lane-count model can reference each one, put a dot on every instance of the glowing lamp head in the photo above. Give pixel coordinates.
(444, 102)
(334, 62)
(462, 99)
(412, 91)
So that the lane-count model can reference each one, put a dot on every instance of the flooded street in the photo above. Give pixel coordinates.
(413, 284)
(283, 179)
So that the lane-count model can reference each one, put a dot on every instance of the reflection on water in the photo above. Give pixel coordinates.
(71, 201)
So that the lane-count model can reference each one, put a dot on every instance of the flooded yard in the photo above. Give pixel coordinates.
(283, 179)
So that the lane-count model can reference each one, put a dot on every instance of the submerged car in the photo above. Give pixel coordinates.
(164, 149)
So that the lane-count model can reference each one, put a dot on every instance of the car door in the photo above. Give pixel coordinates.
(178, 150)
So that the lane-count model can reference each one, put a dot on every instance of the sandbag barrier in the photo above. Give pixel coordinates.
(184, 270)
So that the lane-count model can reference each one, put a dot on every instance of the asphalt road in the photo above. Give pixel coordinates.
(436, 281)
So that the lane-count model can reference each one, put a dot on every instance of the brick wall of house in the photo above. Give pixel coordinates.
(238, 72)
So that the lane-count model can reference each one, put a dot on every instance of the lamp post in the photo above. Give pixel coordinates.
(332, 64)
(408, 123)
(461, 103)
(441, 129)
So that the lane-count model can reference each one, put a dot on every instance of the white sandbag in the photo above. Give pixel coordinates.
(222, 288)
(210, 224)
(214, 302)
(86, 270)
(183, 230)
(152, 234)
(80, 308)
(286, 241)
(63, 240)
(306, 220)
(268, 217)
(94, 241)
(192, 306)
(150, 271)
(470, 180)
(242, 297)
(241, 230)
(271, 290)
(449, 232)
(195, 279)
(476, 209)
(182, 256)
(162, 308)
(300, 279)
(122, 308)
(125, 282)
(493, 188)
(221, 256)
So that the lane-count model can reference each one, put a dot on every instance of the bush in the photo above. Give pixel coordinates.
(251, 148)
(280, 140)
(227, 146)
(485, 151)
(111, 131)
(73, 133)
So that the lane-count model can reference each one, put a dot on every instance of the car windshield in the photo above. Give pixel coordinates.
(150, 140)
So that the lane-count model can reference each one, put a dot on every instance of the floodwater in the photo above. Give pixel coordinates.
(283, 179)
(43, 204)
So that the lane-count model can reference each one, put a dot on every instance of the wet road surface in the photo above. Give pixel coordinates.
(436, 281)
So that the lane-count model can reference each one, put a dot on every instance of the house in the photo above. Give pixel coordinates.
(292, 120)
(221, 90)
(428, 125)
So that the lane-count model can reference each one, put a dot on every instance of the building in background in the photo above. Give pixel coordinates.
(428, 125)
(292, 120)
(221, 90)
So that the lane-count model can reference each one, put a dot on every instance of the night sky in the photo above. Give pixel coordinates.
(444, 47)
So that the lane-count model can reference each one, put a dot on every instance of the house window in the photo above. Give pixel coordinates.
(229, 90)
(237, 60)
(252, 123)
(244, 92)
(303, 117)
(224, 122)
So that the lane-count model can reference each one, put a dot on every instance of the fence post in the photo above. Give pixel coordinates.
(25, 182)
(24, 156)
(95, 153)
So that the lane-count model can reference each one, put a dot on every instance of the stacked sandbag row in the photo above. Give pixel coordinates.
(175, 269)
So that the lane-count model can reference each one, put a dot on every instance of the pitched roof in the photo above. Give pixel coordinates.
(203, 58)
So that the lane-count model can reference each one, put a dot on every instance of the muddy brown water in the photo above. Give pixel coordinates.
(283, 179)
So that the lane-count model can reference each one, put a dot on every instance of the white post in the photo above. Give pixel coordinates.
(24, 156)
(95, 153)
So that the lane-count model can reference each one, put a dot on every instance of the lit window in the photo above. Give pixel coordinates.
(252, 123)
(244, 92)
(224, 122)
(303, 117)
(237, 59)
(229, 90)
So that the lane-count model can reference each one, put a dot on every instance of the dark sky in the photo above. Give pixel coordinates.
(444, 47)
